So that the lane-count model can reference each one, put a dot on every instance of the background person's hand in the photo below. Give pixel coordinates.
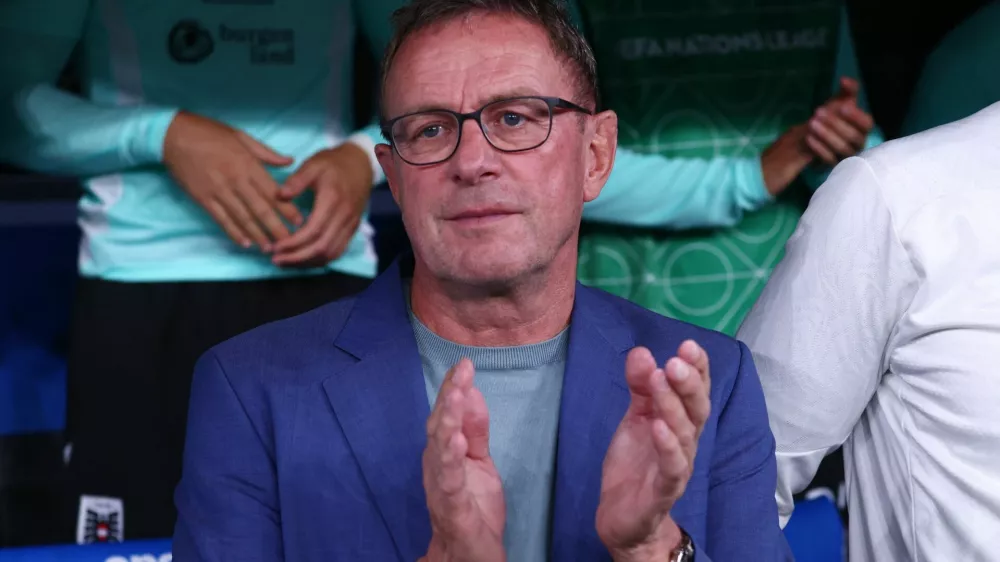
(222, 169)
(464, 491)
(839, 128)
(341, 179)
(651, 456)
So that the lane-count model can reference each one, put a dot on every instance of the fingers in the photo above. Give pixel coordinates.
(639, 366)
(838, 129)
(297, 183)
(249, 208)
(324, 249)
(259, 196)
(857, 117)
(476, 424)
(839, 146)
(825, 154)
(290, 213)
(235, 204)
(309, 244)
(692, 392)
(268, 188)
(834, 120)
(669, 408)
(460, 375)
(691, 352)
(266, 208)
(449, 444)
(221, 216)
(263, 152)
(674, 463)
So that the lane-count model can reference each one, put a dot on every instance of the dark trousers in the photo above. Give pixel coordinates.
(132, 353)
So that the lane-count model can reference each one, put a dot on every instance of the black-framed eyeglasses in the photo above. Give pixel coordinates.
(509, 125)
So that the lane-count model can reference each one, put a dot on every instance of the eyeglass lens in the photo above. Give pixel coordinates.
(509, 125)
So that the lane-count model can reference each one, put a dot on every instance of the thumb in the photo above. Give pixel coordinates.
(263, 152)
(295, 184)
(476, 424)
(849, 88)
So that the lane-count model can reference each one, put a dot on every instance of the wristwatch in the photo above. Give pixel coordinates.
(684, 551)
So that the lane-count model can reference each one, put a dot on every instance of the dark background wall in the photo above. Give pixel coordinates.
(892, 38)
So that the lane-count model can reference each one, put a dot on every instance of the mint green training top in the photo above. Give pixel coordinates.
(280, 71)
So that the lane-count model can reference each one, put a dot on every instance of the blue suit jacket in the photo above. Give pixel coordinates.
(305, 438)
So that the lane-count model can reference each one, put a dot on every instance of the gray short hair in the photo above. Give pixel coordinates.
(551, 15)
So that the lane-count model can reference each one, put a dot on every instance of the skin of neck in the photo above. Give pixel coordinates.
(532, 308)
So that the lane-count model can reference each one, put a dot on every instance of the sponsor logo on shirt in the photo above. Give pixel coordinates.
(189, 42)
(269, 45)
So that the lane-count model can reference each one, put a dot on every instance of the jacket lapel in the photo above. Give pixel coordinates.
(381, 404)
(594, 399)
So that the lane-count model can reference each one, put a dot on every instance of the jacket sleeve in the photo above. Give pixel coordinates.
(45, 129)
(227, 504)
(742, 514)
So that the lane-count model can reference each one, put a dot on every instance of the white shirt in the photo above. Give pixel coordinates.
(880, 330)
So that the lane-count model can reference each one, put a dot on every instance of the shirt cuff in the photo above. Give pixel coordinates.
(752, 191)
(146, 140)
(366, 140)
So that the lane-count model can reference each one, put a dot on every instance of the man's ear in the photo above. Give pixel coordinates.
(384, 154)
(600, 153)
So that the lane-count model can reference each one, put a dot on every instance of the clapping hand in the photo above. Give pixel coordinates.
(464, 491)
(651, 456)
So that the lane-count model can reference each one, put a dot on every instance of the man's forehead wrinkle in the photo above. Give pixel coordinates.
(475, 60)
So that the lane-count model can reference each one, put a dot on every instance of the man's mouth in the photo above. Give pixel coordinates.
(481, 215)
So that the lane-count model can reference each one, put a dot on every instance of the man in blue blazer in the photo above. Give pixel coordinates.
(477, 404)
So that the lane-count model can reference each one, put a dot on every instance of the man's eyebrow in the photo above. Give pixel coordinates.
(506, 94)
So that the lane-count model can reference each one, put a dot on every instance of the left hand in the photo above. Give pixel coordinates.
(839, 128)
(651, 456)
(341, 178)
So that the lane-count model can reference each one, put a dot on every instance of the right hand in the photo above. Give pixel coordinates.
(222, 169)
(839, 128)
(464, 491)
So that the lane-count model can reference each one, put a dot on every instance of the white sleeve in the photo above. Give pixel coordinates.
(819, 331)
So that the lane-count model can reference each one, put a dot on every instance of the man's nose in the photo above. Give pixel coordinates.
(474, 158)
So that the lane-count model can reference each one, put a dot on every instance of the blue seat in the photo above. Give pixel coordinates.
(815, 532)
(128, 551)
(36, 291)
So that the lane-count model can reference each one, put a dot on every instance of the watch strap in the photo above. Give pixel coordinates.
(685, 550)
